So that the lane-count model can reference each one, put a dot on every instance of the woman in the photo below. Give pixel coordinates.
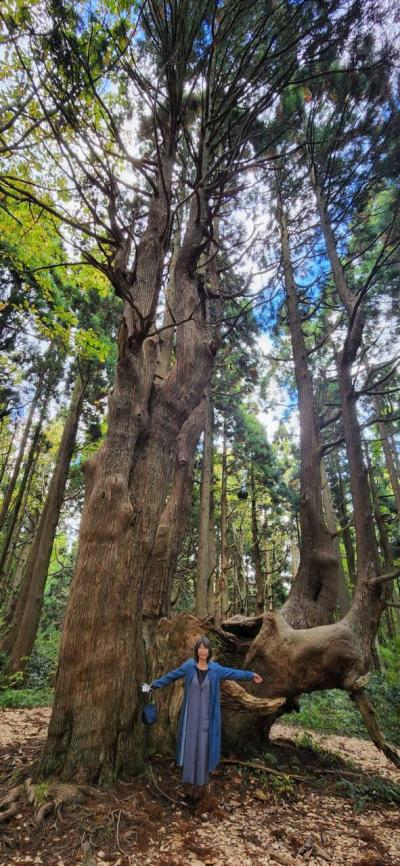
(199, 737)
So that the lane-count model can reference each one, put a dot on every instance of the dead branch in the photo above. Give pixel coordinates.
(384, 577)
(255, 765)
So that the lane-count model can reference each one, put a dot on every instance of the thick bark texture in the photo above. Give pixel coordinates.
(95, 732)
(312, 597)
(30, 600)
(91, 733)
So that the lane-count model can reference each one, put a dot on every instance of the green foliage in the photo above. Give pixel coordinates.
(333, 711)
(364, 792)
(20, 698)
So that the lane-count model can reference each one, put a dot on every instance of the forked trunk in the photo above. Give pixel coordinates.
(95, 733)
(91, 733)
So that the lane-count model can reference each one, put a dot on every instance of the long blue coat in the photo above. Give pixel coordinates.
(216, 673)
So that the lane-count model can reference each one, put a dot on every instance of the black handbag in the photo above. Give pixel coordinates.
(149, 711)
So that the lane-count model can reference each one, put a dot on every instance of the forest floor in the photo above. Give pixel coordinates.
(320, 800)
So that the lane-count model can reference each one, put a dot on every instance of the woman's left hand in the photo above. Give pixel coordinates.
(257, 679)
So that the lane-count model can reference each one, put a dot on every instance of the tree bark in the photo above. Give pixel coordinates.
(343, 598)
(203, 551)
(30, 601)
(172, 526)
(344, 521)
(95, 733)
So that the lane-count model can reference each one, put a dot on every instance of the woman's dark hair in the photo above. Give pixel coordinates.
(202, 641)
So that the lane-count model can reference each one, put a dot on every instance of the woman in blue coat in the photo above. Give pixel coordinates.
(199, 737)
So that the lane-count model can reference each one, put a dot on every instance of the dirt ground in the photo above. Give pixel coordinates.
(308, 806)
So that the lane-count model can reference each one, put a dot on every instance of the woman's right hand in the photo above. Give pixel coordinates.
(257, 679)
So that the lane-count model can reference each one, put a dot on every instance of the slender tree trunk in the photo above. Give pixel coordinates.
(21, 491)
(221, 601)
(203, 552)
(167, 335)
(20, 455)
(30, 601)
(344, 600)
(390, 461)
(386, 550)
(344, 521)
(212, 555)
(4, 464)
(312, 597)
(14, 543)
(260, 580)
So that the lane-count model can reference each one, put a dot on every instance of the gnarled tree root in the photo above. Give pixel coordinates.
(361, 699)
(56, 795)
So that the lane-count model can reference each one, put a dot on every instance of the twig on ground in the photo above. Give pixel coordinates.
(254, 765)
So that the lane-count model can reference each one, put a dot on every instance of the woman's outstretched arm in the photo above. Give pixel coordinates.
(237, 674)
(170, 677)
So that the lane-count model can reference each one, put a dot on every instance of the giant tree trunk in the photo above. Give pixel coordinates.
(312, 597)
(91, 734)
(30, 601)
(95, 732)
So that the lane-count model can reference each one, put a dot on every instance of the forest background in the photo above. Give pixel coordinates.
(200, 265)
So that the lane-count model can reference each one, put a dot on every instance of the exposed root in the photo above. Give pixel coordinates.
(13, 795)
(43, 810)
(44, 799)
(8, 813)
(236, 698)
(367, 711)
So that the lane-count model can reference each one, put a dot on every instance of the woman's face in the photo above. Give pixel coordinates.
(202, 653)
